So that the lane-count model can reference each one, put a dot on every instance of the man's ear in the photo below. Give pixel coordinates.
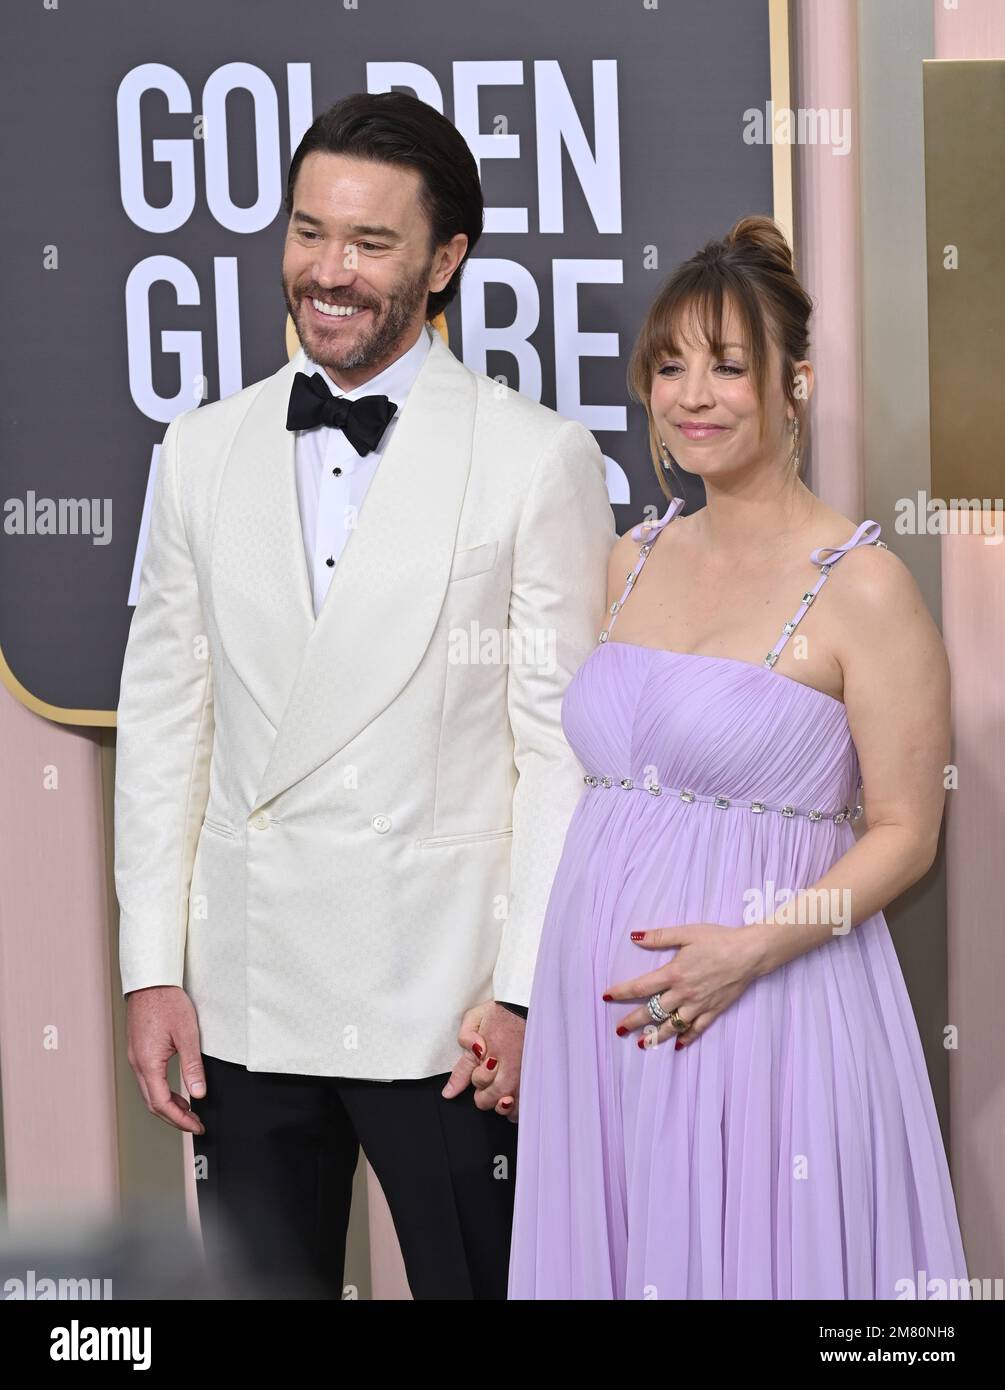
(446, 261)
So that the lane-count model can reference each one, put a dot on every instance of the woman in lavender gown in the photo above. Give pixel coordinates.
(724, 1093)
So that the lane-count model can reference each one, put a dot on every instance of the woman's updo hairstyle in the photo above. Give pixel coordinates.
(752, 269)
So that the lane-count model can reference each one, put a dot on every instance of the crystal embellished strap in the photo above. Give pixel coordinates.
(645, 531)
(866, 534)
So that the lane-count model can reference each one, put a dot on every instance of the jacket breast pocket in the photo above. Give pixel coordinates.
(475, 560)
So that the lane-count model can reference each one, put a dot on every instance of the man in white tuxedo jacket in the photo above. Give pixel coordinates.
(342, 785)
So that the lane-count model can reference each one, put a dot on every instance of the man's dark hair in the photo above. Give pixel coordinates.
(396, 128)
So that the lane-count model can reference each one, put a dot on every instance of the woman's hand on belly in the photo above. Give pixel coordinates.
(712, 967)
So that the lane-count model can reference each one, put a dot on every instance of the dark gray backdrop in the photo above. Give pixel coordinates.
(79, 160)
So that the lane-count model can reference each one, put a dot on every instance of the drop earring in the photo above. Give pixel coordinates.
(795, 444)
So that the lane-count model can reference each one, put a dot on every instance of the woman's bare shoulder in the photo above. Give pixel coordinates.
(877, 606)
(625, 551)
(871, 574)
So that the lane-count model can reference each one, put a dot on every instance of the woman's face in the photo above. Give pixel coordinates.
(705, 407)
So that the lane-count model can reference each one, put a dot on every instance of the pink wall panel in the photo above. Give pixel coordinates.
(825, 61)
(973, 611)
(55, 1016)
(973, 605)
(969, 28)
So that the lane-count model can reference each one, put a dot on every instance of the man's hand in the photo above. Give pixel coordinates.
(493, 1041)
(161, 1021)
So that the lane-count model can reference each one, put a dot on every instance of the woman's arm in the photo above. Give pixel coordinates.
(896, 691)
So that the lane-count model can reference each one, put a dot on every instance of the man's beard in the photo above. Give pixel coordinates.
(384, 333)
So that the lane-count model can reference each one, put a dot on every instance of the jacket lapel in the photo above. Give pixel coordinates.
(320, 682)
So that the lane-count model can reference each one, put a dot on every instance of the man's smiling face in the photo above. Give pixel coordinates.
(358, 264)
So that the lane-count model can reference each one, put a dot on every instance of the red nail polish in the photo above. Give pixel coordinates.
(607, 998)
(476, 1048)
(621, 1030)
(637, 935)
(677, 1045)
(642, 1042)
(490, 1064)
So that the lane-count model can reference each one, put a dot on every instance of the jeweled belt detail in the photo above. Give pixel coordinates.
(722, 803)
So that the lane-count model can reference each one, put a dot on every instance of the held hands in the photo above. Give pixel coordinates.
(712, 968)
(492, 1038)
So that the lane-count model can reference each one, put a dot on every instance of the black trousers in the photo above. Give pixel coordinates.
(275, 1170)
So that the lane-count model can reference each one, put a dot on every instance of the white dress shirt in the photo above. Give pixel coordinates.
(332, 479)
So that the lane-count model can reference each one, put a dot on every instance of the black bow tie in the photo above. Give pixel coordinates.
(362, 421)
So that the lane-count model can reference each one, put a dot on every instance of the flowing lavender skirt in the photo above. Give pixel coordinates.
(793, 1150)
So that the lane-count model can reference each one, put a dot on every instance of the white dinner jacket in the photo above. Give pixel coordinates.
(339, 833)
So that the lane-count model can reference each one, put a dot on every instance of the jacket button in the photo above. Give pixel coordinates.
(261, 821)
(381, 824)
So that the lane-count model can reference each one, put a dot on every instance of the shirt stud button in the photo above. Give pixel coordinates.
(337, 472)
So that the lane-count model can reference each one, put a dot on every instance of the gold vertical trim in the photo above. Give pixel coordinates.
(781, 91)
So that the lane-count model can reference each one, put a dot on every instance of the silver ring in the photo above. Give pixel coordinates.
(656, 1011)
